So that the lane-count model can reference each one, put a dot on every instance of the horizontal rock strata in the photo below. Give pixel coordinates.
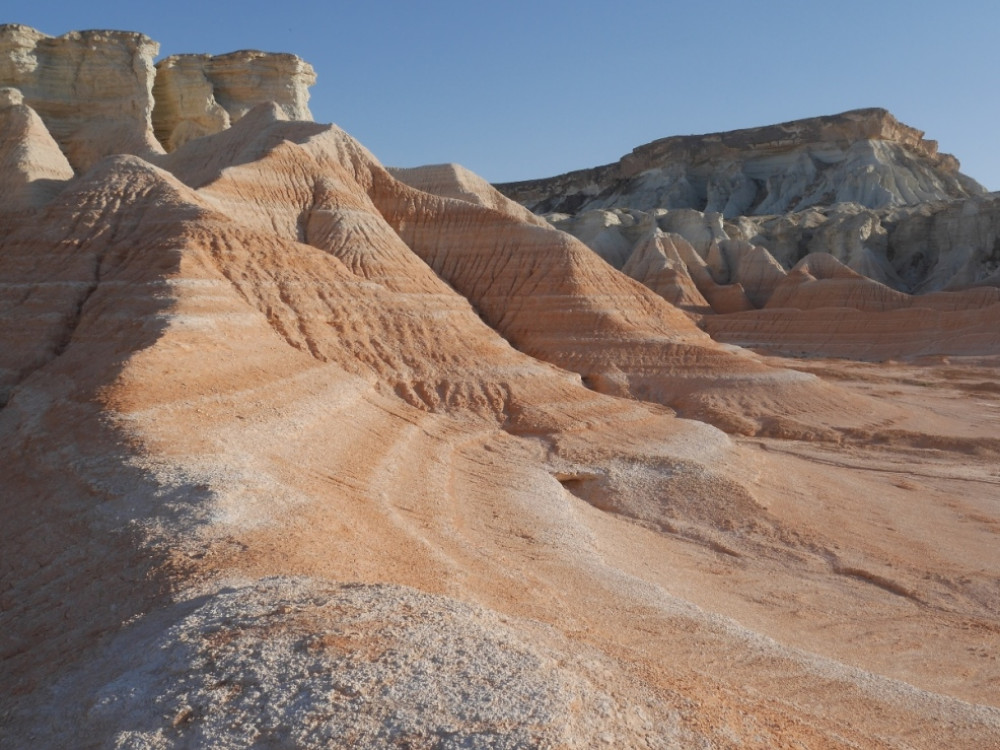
(92, 89)
(197, 95)
(864, 156)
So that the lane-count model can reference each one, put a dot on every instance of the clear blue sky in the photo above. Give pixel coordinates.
(515, 90)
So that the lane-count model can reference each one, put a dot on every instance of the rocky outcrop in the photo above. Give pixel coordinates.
(860, 186)
(669, 265)
(95, 90)
(908, 249)
(863, 156)
(92, 89)
(32, 168)
(197, 95)
(610, 234)
(914, 249)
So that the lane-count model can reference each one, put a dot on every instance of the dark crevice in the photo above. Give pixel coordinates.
(73, 321)
(62, 340)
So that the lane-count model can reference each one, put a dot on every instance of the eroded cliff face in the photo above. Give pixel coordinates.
(723, 223)
(864, 156)
(92, 89)
(99, 93)
(930, 247)
(197, 95)
(32, 168)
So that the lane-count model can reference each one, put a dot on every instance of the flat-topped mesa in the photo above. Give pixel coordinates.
(92, 89)
(864, 156)
(842, 130)
(198, 95)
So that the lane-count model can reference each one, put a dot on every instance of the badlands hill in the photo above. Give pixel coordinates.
(853, 211)
(304, 452)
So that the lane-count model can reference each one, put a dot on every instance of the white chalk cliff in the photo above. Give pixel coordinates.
(99, 92)
(197, 95)
(863, 156)
(92, 89)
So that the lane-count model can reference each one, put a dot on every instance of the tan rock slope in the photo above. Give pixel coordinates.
(301, 452)
(32, 168)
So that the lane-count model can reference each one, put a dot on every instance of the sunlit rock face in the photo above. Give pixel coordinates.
(99, 93)
(197, 95)
(854, 211)
(92, 89)
(32, 168)
(859, 186)
(864, 156)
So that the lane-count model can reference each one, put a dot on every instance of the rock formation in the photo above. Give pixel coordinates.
(98, 92)
(32, 168)
(197, 95)
(93, 89)
(915, 249)
(304, 452)
(928, 247)
(860, 186)
(864, 156)
(455, 181)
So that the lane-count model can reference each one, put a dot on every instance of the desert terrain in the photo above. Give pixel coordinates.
(300, 451)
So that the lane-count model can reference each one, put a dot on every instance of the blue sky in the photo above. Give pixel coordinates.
(516, 90)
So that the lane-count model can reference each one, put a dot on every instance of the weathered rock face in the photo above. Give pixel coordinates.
(861, 187)
(863, 156)
(92, 89)
(32, 168)
(197, 95)
(670, 266)
(911, 249)
(455, 181)
(915, 249)
(95, 90)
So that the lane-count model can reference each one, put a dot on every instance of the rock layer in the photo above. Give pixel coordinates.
(197, 95)
(92, 89)
(864, 156)
(32, 168)
(95, 90)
